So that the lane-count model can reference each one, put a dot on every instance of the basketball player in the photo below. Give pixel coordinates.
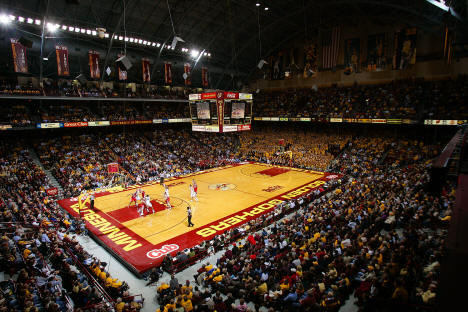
(141, 208)
(193, 195)
(195, 187)
(148, 204)
(167, 197)
(135, 199)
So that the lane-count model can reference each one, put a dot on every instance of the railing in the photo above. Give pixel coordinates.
(90, 277)
(93, 280)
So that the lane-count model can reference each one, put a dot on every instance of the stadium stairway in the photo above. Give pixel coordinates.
(52, 180)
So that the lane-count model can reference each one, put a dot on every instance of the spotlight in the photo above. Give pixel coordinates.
(52, 27)
(83, 30)
(158, 44)
(106, 35)
(153, 44)
(126, 39)
(64, 27)
(30, 20)
(88, 31)
(4, 19)
(120, 38)
(266, 9)
(257, 4)
(77, 29)
(20, 19)
(194, 53)
(37, 22)
(131, 39)
(94, 33)
(70, 28)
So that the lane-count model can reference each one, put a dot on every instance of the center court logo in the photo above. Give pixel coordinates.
(158, 253)
(222, 186)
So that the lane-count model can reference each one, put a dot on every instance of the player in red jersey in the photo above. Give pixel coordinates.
(195, 187)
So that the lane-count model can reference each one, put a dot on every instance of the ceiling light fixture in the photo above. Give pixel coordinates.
(4, 19)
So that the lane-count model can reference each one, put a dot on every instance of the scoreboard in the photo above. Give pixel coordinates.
(221, 111)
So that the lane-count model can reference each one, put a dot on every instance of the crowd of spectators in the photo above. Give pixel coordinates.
(15, 115)
(302, 149)
(48, 269)
(13, 88)
(66, 112)
(379, 235)
(409, 99)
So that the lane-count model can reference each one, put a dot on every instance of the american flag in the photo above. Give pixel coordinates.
(330, 47)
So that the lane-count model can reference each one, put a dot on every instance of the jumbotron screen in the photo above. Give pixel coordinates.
(221, 111)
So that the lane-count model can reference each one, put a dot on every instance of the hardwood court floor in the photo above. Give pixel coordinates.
(228, 197)
(221, 192)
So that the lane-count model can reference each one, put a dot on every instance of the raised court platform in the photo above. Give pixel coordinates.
(228, 197)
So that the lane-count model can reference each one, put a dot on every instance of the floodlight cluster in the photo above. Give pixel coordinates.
(101, 33)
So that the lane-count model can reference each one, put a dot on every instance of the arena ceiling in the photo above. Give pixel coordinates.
(236, 32)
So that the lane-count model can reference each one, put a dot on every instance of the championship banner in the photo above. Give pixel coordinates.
(123, 75)
(404, 52)
(63, 69)
(330, 47)
(94, 71)
(19, 56)
(204, 74)
(376, 52)
(310, 61)
(352, 55)
(187, 74)
(168, 72)
(146, 70)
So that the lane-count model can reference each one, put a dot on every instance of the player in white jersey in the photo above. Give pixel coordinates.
(167, 197)
(193, 194)
(148, 204)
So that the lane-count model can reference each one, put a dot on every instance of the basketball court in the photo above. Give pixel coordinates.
(227, 197)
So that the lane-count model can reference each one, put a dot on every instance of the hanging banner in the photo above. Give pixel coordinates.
(63, 68)
(352, 55)
(376, 52)
(19, 56)
(94, 71)
(310, 60)
(168, 72)
(122, 73)
(146, 70)
(220, 108)
(204, 73)
(404, 53)
(187, 74)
